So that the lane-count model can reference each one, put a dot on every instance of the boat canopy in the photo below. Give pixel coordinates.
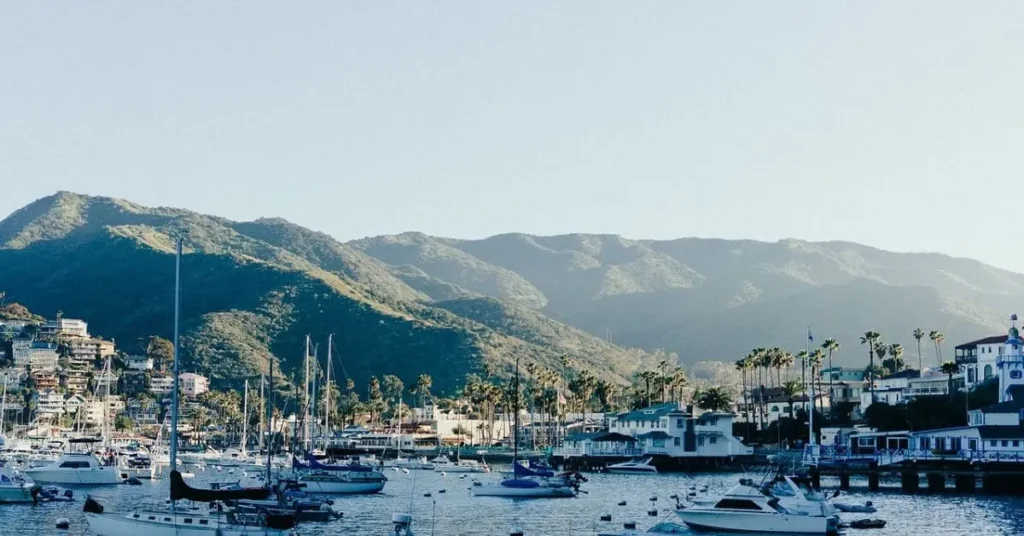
(312, 463)
(519, 470)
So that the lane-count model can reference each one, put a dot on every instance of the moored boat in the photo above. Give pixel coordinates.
(16, 488)
(635, 466)
(749, 508)
(75, 469)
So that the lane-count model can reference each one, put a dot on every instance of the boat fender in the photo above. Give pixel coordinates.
(63, 523)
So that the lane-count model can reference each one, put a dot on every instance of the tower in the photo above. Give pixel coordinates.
(1010, 365)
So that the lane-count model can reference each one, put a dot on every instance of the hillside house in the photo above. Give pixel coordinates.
(65, 327)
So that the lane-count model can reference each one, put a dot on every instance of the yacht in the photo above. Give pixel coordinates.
(750, 508)
(443, 464)
(76, 468)
(15, 488)
(634, 466)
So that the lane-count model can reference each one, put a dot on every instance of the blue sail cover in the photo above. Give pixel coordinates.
(518, 470)
(312, 463)
(519, 483)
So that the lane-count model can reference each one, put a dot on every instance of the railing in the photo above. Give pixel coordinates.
(591, 450)
(894, 456)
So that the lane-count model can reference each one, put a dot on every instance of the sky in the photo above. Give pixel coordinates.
(895, 124)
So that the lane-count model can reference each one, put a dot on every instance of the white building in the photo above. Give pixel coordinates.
(161, 385)
(193, 385)
(73, 403)
(978, 358)
(49, 403)
(664, 429)
(66, 326)
(140, 363)
(87, 350)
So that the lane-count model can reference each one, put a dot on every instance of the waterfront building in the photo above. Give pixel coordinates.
(667, 431)
(776, 405)
(978, 358)
(87, 350)
(842, 374)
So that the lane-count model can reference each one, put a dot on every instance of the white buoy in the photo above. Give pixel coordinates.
(404, 470)
(444, 473)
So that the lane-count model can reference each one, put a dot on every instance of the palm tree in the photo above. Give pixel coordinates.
(869, 338)
(896, 353)
(919, 334)
(714, 399)
(937, 337)
(880, 350)
(831, 346)
(423, 385)
(786, 361)
(742, 365)
(950, 368)
(802, 355)
(790, 390)
(647, 377)
(815, 360)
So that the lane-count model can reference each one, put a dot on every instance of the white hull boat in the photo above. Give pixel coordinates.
(414, 463)
(14, 488)
(75, 469)
(756, 522)
(443, 465)
(754, 509)
(168, 524)
(342, 483)
(632, 467)
(540, 492)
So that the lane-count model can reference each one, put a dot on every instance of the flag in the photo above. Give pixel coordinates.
(809, 336)
(561, 399)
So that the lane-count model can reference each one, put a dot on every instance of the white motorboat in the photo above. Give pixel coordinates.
(634, 466)
(343, 482)
(443, 464)
(16, 488)
(749, 508)
(76, 468)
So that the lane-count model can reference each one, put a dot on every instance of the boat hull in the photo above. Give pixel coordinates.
(631, 471)
(342, 488)
(742, 522)
(122, 525)
(460, 469)
(21, 493)
(69, 477)
(522, 493)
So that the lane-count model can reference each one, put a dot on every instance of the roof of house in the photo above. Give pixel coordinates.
(656, 434)
(994, 339)
(1001, 432)
(905, 373)
(599, 437)
(1010, 406)
(651, 413)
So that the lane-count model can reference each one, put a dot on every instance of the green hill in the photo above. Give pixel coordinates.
(250, 290)
(712, 299)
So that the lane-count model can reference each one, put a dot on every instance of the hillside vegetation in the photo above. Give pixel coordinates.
(255, 290)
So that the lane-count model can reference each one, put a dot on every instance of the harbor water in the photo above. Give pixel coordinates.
(452, 511)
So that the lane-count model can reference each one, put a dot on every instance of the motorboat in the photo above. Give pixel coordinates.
(444, 464)
(420, 462)
(866, 508)
(76, 468)
(634, 466)
(16, 488)
(751, 508)
(177, 520)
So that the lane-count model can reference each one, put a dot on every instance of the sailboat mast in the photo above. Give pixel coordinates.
(270, 418)
(245, 417)
(3, 406)
(263, 406)
(327, 395)
(305, 413)
(174, 390)
(515, 429)
(314, 424)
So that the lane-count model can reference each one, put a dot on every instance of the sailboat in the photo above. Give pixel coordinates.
(179, 521)
(528, 482)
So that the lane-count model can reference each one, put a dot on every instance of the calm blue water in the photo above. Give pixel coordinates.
(456, 512)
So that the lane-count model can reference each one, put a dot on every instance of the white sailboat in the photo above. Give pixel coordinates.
(528, 482)
(176, 520)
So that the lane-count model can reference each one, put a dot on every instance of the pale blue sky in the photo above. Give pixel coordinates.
(896, 124)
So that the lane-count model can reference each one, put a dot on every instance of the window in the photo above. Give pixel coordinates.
(1006, 443)
(1016, 443)
(714, 440)
(75, 465)
(992, 443)
(679, 423)
(167, 519)
(204, 522)
(700, 441)
(737, 504)
(675, 441)
(1015, 374)
(188, 520)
